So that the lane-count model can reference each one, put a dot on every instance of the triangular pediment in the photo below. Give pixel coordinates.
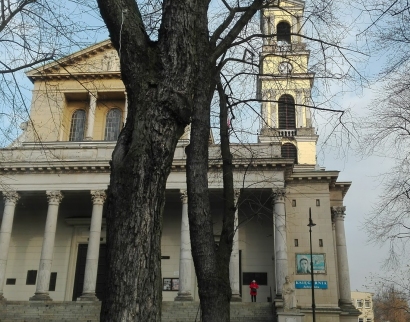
(100, 59)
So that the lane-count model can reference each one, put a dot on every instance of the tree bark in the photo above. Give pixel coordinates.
(160, 79)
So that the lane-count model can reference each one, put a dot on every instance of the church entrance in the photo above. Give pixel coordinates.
(80, 270)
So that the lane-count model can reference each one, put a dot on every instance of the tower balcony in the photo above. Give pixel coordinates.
(271, 45)
(287, 133)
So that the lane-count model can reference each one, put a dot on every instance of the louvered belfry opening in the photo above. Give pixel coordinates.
(283, 32)
(289, 151)
(286, 111)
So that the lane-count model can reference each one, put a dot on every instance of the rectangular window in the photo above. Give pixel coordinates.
(317, 202)
(360, 319)
(296, 242)
(368, 320)
(359, 303)
(367, 304)
(320, 242)
(293, 203)
(11, 281)
(53, 280)
(31, 277)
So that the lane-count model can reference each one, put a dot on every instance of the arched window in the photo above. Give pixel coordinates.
(77, 126)
(113, 124)
(289, 151)
(283, 32)
(286, 111)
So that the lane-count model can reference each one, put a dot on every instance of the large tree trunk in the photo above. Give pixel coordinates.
(161, 79)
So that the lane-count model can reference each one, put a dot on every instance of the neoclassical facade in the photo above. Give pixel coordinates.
(54, 177)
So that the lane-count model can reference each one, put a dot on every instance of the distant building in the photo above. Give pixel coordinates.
(363, 301)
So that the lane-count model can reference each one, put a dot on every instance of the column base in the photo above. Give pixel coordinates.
(91, 297)
(184, 297)
(293, 315)
(236, 298)
(40, 297)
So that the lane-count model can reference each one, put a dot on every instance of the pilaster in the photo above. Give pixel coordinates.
(338, 214)
(185, 257)
(46, 259)
(11, 198)
(93, 250)
(234, 262)
(281, 254)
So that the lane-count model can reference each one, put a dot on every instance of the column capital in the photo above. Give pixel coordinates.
(54, 197)
(11, 196)
(338, 213)
(184, 196)
(278, 195)
(236, 194)
(98, 196)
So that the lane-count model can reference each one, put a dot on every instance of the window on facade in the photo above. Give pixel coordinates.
(360, 319)
(367, 304)
(289, 151)
(113, 124)
(368, 320)
(359, 303)
(286, 111)
(31, 277)
(283, 31)
(77, 126)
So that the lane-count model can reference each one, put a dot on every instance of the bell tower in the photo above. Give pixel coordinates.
(284, 84)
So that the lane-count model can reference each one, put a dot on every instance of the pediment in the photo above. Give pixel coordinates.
(100, 59)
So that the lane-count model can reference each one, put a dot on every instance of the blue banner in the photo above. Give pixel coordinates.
(308, 284)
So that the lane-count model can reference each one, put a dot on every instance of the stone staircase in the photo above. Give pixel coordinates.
(14, 311)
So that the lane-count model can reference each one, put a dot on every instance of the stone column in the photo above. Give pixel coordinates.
(185, 257)
(281, 254)
(234, 263)
(91, 116)
(46, 259)
(124, 117)
(11, 198)
(93, 250)
(338, 214)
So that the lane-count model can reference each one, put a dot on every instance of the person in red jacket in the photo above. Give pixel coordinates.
(254, 287)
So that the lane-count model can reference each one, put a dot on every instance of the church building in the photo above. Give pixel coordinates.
(55, 175)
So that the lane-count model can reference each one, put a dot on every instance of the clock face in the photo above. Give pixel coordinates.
(285, 67)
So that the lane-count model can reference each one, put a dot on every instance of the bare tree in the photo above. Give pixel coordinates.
(390, 304)
(387, 123)
(173, 56)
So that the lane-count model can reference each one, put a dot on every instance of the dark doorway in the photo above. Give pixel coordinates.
(80, 269)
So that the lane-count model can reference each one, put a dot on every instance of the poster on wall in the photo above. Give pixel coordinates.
(303, 263)
(170, 284)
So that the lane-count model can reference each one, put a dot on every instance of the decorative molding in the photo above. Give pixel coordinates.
(98, 196)
(11, 196)
(278, 195)
(184, 196)
(338, 213)
(54, 197)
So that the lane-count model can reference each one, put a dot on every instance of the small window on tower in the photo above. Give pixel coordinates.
(296, 242)
(283, 32)
(293, 203)
(288, 151)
